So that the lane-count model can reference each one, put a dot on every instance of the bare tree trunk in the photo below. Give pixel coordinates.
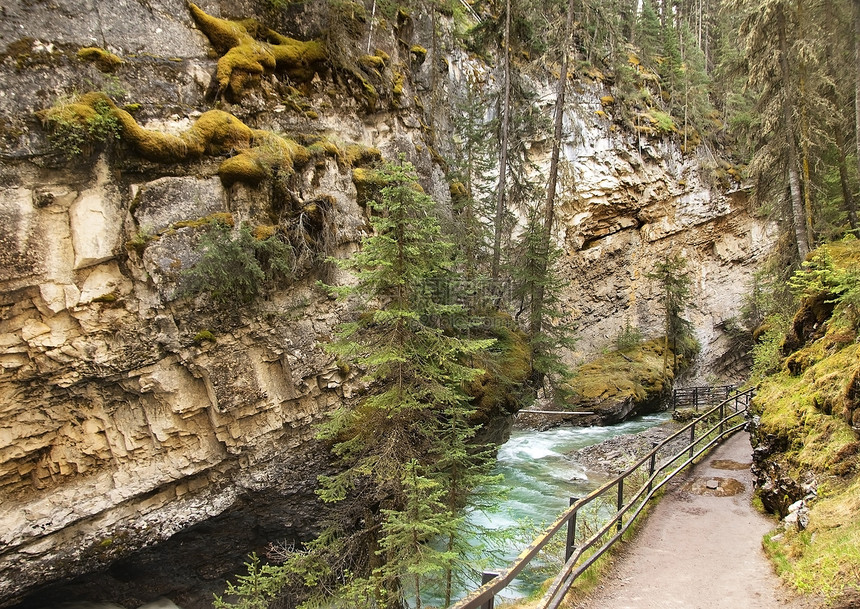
(503, 152)
(847, 197)
(804, 141)
(798, 214)
(856, 6)
(536, 321)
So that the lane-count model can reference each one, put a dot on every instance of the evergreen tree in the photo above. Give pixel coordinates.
(417, 377)
(648, 34)
(473, 189)
(504, 132)
(537, 289)
(405, 452)
(783, 47)
(674, 282)
(671, 70)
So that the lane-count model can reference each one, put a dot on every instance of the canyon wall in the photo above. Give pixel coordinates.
(130, 412)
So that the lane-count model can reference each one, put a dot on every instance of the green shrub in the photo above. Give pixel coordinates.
(237, 267)
(767, 350)
(75, 128)
(628, 338)
(841, 281)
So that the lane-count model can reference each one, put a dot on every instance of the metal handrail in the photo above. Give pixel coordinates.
(694, 396)
(494, 582)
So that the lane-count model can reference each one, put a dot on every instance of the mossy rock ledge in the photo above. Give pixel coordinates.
(622, 384)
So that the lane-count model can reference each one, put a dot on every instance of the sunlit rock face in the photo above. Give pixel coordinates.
(627, 202)
(130, 413)
(636, 205)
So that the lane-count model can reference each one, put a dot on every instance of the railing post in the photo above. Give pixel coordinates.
(696, 398)
(571, 533)
(486, 578)
(722, 416)
(620, 502)
(652, 466)
(692, 438)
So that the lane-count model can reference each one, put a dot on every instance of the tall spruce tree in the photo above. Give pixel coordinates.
(671, 275)
(473, 167)
(504, 131)
(537, 288)
(416, 410)
(404, 454)
(782, 47)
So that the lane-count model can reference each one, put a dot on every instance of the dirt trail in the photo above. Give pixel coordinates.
(700, 548)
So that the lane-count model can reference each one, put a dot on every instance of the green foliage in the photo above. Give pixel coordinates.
(405, 451)
(76, 129)
(767, 350)
(648, 32)
(234, 268)
(819, 276)
(663, 121)
(255, 590)
(406, 532)
(630, 337)
(538, 290)
(474, 163)
(671, 275)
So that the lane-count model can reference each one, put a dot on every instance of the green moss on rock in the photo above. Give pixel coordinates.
(368, 184)
(204, 336)
(258, 153)
(507, 366)
(636, 374)
(419, 53)
(249, 49)
(104, 60)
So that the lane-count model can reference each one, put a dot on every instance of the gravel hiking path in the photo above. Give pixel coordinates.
(700, 547)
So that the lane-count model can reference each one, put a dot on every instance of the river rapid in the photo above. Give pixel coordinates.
(540, 479)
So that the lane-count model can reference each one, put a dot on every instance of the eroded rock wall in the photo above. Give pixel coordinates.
(636, 203)
(128, 414)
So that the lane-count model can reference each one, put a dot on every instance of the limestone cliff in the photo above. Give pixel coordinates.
(129, 413)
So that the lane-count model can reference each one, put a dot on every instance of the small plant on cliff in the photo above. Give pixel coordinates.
(75, 128)
(236, 267)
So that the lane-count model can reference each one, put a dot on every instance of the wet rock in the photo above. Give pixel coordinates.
(615, 455)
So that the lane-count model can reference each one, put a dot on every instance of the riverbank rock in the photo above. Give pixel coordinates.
(615, 455)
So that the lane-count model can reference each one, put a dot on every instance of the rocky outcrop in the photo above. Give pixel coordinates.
(130, 412)
(634, 205)
(120, 425)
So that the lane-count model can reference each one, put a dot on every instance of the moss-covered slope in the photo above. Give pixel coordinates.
(806, 441)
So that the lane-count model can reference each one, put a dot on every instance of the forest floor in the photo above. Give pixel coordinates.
(700, 547)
